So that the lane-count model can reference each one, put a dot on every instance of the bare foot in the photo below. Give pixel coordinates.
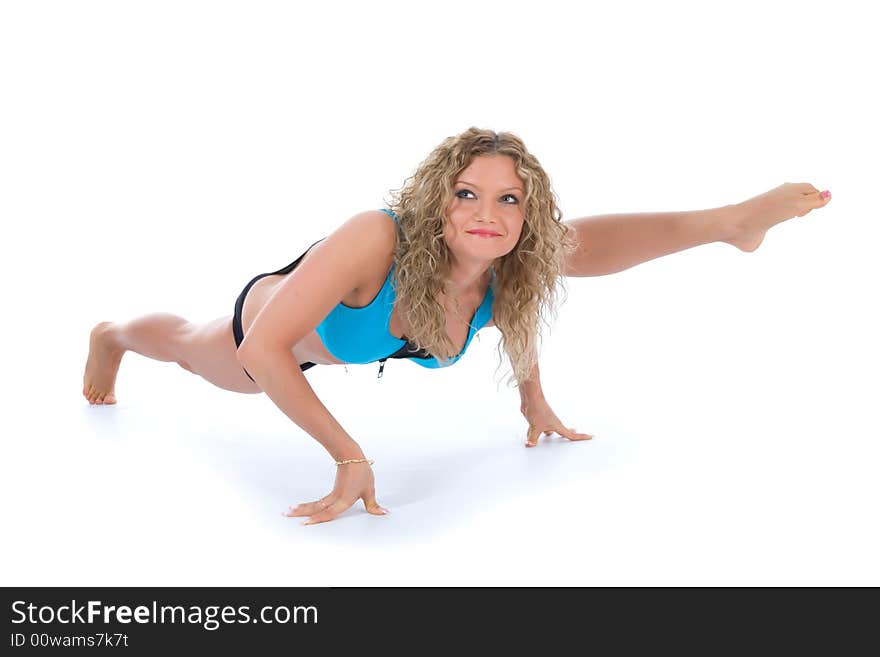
(762, 212)
(102, 365)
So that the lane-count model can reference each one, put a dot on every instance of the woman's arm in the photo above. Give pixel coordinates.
(280, 377)
(538, 413)
(335, 267)
(530, 392)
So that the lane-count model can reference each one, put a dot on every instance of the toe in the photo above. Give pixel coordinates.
(110, 398)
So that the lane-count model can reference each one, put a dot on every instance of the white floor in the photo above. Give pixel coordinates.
(729, 450)
(156, 161)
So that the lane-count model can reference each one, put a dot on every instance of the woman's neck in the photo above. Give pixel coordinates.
(468, 279)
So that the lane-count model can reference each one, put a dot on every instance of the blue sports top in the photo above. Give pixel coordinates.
(361, 335)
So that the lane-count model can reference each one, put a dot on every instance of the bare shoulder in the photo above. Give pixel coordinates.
(376, 232)
(371, 229)
(381, 224)
(371, 233)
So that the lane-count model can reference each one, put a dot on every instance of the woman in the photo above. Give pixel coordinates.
(473, 239)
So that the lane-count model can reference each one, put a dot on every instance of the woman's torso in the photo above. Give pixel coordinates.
(312, 349)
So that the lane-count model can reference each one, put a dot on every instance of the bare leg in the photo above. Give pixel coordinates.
(613, 242)
(204, 349)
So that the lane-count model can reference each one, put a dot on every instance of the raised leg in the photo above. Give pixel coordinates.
(613, 242)
(204, 349)
(610, 243)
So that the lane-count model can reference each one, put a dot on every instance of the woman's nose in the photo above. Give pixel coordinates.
(485, 213)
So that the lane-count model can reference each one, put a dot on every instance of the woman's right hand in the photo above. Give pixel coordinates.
(354, 481)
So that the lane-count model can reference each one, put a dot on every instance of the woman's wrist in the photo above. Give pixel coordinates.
(531, 396)
(354, 461)
(348, 449)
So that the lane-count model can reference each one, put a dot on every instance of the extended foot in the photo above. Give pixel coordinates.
(759, 214)
(102, 365)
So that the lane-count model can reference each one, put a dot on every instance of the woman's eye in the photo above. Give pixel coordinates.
(467, 191)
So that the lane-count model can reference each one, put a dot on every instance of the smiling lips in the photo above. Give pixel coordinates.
(483, 233)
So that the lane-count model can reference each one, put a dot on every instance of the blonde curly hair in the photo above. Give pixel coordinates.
(525, 285)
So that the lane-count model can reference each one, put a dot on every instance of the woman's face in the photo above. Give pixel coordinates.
(487, 196)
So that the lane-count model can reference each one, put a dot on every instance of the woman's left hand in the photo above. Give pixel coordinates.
(542, 419)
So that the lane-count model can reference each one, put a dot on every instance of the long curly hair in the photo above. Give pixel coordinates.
(526, 279)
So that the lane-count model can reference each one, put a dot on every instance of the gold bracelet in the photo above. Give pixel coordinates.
(370, 461)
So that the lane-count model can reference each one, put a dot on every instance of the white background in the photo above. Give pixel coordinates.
(154, 156)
